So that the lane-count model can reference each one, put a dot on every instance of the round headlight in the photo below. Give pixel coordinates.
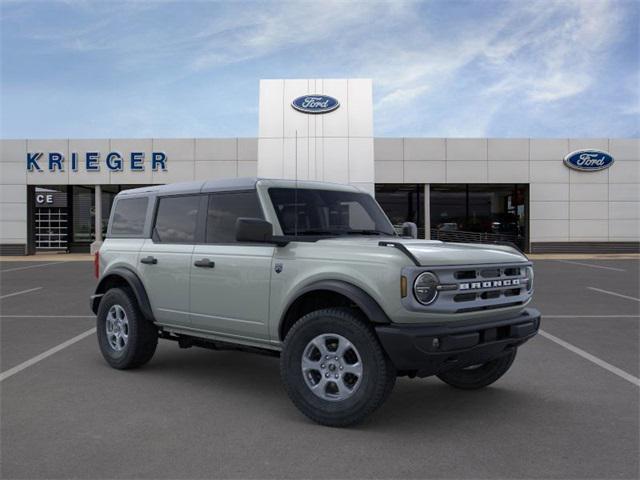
(425, 288)
(529, 274)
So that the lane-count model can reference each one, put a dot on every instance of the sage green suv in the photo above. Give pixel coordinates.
(315, 273)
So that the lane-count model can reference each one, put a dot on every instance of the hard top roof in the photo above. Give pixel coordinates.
(228, 184)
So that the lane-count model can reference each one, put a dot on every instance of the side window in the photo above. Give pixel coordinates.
(224, 209)
(176, 219)
(129, 216)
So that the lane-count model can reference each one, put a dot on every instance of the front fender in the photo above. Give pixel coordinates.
(362, 299)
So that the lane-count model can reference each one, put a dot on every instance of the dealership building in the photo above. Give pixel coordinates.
(543, 194)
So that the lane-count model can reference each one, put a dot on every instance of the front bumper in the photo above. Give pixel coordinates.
(426, 350)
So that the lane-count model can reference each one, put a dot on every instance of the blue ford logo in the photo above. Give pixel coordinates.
(315, 104)
(588, 160)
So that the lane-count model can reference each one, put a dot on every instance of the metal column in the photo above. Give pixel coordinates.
(427, 211)
(95, 246)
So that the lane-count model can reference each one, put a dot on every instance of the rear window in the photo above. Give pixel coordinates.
(176, 219)
(129, 216)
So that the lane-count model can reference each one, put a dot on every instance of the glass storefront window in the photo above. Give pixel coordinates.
(83, 201)
(403, 203)
(83, 212)
(479, 213)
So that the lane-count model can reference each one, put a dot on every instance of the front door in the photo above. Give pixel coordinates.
(165, 259)
(230, 280)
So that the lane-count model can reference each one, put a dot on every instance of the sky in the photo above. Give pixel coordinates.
(93, 69)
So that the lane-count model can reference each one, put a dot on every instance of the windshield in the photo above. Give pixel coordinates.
(306, 211)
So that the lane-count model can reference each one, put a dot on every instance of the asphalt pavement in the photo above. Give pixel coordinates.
(568, 408)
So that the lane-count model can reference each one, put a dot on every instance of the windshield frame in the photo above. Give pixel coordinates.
(382, 225)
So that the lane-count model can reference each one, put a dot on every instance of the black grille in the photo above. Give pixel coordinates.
(490, 273)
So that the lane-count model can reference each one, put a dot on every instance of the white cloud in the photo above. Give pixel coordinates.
(436, 71)
(538, 53)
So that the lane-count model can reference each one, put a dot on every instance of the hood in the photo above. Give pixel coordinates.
(435, 252)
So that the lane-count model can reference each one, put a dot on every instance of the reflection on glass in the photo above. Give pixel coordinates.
(403, 203)
(479, 213)
(83, 199)
(83, 212)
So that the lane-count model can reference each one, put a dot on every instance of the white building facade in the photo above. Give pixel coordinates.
(56, 194)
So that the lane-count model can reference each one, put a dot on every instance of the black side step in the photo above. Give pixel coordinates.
(188, 341)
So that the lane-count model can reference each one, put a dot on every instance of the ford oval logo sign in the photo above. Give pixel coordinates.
(588, 160)
(315, 104)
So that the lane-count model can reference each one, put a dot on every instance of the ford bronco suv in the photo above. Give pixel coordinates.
(315, 273)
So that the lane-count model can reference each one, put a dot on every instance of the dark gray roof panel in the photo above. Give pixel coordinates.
(227, 184)
(194, 187)
(243, 183)
(139, 191)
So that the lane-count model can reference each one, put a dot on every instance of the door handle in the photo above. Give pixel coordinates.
(149, 260)
(205, 263)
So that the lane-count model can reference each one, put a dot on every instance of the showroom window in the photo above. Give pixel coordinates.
(403, 203)
(479, 213)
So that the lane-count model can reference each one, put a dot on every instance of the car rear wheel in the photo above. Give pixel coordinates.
(334, 369)
(479, 376)
(126, 338)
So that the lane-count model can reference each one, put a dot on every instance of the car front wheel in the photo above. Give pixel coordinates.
(334, 368)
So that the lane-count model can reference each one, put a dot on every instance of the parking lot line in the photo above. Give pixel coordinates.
(601, 363)
(613, 293)
(32, 266)
(592, 266)
(19, 293)
(583, 316)
(43, 355)
(47, 316)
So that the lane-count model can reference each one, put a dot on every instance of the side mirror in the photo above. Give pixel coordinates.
(253, 230)
(409, 229)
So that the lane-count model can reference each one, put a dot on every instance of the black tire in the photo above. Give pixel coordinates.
(142, 334)
(473, 378)
(375, 384)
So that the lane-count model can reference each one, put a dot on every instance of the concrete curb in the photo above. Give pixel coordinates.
(49, 257)
(584, 256)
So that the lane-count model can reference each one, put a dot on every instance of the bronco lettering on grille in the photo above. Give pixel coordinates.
(489, 284)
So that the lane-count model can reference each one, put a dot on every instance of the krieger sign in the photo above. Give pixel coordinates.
(92, 161)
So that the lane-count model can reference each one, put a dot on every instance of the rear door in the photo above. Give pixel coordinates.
(165, 259)
(230, 280)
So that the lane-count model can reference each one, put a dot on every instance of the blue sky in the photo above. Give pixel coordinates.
(182, 69)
